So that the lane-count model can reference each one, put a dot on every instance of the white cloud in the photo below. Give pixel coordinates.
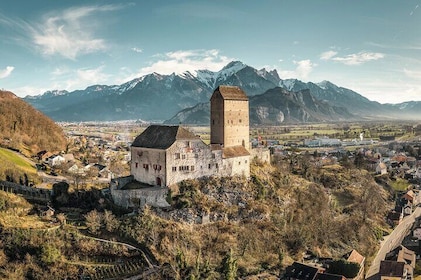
(184, 60)
(6, 72)
(82, 78)
(328, 55)
(302, 70)
(69, 33)
(28, 90)
(69, 79)
(352, 59)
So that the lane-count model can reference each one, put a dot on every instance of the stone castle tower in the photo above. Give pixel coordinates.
(229, 120)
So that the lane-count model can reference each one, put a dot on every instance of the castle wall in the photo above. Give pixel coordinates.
(191, 160)
(236, 166)
(148, 165)
(153, 196)
(262, 154)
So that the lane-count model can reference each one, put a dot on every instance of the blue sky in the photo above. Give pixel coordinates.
(370, 46)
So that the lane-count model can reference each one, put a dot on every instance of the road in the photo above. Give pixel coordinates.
(392, 241)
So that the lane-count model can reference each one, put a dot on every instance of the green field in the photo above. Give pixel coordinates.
(10, 158)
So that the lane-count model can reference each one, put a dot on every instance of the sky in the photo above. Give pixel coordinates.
(370, 46)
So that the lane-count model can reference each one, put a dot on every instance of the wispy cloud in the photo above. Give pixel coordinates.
(412, 74)
(406, 46)
(183, 60)
(6, 72)
(328, 55)
(68, 79)
(70, 33)
(67, 33)
(137, 50)
(413, 11)
(302, 70)
(352, 59)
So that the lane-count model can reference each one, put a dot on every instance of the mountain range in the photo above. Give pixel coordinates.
(184, 98)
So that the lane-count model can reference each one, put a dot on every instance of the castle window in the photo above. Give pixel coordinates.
(213, 155)
(246, 161)
(174, 168)
(239, 163)
(177, 155)
(183, 156)
(213, 121)
(216, 165)
(209, 166)
(239, 120)
(192, 168)
(196, 155)
(146, 166)
(136, 164)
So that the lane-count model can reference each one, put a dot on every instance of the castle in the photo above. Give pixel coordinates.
(162, 156)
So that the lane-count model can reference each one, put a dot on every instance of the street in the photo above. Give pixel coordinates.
(392, 241)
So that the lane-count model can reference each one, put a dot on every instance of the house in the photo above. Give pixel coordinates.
(407, 209)
(394, 218)
(398, 264)
(392, 270)
(69, 157)
(356, 257)
(416, 229)
(55, 160)
(410, 196)
(300, 271)
(329, 276)
(381, 168)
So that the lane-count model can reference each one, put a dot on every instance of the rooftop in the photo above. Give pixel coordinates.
(162, 137)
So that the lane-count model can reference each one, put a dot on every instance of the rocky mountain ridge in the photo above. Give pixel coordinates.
(156, 97)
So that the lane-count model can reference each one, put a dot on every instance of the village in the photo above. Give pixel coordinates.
(135, 165)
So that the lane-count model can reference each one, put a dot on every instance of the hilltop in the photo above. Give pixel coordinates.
(26, 129)
(215, 226)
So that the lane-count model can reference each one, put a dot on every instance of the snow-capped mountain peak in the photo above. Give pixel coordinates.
(288, 83)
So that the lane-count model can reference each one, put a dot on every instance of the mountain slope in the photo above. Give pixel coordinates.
(274, 107)
(279, 106)
(151, 97)
(337, 96)
(24, 128)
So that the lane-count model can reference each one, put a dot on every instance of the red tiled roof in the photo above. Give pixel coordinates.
(355, 257)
